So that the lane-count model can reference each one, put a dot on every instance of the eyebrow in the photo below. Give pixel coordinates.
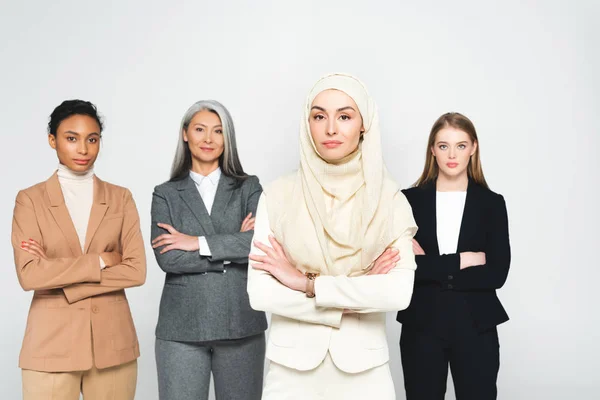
(216, 126)
(338, 110)
(441, 141)
(77, 134)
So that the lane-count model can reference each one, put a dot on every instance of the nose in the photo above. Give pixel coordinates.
(452, 153)
(331, 129)
(82, 148)
(208, 137)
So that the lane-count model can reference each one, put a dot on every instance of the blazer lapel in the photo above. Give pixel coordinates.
(189, 194)
(224, 191)
(468, 225)
(61, 215)
(99, 208)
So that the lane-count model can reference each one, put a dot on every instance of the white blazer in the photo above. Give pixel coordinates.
(303, 330)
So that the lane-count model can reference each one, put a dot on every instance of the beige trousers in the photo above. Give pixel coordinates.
(114, 383)
(327, 382)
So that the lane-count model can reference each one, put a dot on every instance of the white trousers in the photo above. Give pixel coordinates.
(327, 382)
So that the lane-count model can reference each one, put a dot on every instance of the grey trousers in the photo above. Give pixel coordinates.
(237, 366)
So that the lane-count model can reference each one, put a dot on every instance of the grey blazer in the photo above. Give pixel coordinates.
(202, 300)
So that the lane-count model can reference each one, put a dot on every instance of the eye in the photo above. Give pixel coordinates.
(93, 140)
(318, 117)
(71, 139)
(198, 129)
(462, 146)
(442, 147)
(219, 131)
(345, 117)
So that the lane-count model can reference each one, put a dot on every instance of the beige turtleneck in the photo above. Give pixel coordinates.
(78, 192)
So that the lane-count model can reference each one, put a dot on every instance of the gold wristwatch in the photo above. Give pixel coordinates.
(310, 284)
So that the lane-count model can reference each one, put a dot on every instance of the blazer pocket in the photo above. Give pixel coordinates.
(123, 334)
(113, 216)
(284, 333)
(49, 333)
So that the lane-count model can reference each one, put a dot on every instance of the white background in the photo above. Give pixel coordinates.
(526, 73)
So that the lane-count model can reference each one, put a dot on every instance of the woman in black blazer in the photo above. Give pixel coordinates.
(463, 255)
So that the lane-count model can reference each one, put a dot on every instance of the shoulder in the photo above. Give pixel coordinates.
(414, 194)
(167, 187)
(115, 192)
(32, 192)
(282, 185)
(251, 183)
(487, 194)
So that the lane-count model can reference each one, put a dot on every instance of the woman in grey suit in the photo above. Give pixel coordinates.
(202, 226)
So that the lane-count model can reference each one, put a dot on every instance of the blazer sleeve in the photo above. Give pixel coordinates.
(176, 261)
(376, 293)
(493, 274)
(436, 268)
(268, 294)
(130, 272)
(235, 247)
(35, 273)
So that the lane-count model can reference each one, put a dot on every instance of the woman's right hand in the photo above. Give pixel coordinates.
(247, 223)
(471, 259)
(385, 262)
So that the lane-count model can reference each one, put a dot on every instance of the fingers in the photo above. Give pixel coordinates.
(167, 248)
(247, 218)
(168, 227)
(164, 242)
(161, 237)
(31, 249)
(262, 267)
(247, 225)
(276, 246)
(266, 249)
(255, 257)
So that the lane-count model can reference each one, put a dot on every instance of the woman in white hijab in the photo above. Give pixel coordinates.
(327, 245)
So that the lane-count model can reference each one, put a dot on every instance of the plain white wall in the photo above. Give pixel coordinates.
(524, 71)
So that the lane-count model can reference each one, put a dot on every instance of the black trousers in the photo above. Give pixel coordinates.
(473, 357)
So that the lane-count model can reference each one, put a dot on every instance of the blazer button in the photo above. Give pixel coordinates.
(450, 277)
(95, 309)
(450, 287)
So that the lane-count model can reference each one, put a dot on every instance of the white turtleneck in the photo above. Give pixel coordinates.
(78, 192)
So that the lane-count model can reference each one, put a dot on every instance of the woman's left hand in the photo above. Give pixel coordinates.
(276, 263)
(33, 247)
(175, 240)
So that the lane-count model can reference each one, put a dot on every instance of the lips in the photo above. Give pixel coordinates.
(452, 165)
(332, 144)
(206, 148)
(80, 161)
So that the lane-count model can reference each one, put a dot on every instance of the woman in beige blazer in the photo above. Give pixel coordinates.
(77, 244)
(326, 254)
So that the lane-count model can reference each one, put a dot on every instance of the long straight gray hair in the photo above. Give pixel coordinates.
(229, 161)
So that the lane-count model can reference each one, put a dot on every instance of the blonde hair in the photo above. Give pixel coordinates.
(460, 122)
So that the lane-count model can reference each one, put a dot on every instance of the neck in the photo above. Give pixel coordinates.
(447, 183)
(204, 168)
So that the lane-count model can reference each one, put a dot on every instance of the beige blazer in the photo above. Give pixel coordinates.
(304, 330)
(74, 300)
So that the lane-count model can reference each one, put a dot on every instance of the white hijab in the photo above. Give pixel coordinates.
(313, 241)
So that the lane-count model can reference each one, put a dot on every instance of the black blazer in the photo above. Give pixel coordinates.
(202, 300)
(484, 228)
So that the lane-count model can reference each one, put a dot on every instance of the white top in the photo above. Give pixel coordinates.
(449, 212)
(207, 187)
(78, 192)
